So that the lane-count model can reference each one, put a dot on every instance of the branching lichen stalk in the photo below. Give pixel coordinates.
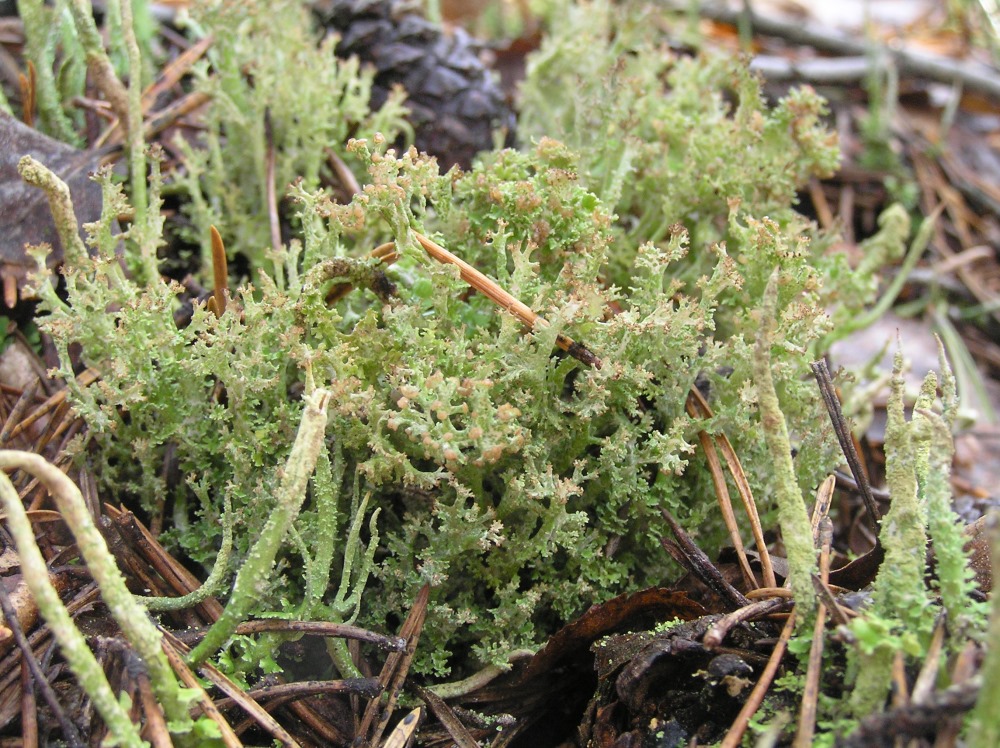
(899, 586)
(72, 644)
(98, 62)
(253, 575)
(213, 584)
(136, 147)
(38, 20)
(796, 530)
(38, 175)
(131, 617)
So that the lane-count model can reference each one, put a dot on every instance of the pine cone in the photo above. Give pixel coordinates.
(454, 102)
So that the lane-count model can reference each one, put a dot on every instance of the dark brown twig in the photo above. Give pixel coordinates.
(721, 628)
(323, 628)
(29, 707)
(281, 693)
(843, 429)
(884, 729)
(735, 735)
(692, 558)
(456, 730)
(69, 731)
(397, 665)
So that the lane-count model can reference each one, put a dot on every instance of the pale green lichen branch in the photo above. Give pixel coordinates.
(899, 593)
(98, 61)
(72, 644)
(347, 602)
(38, 23)
(955, 577)
(251, 581)
(886, 300)
(38, 175)
(131, 617)
(213, 584)
(899, 586)
(796, 530)
(480, 678)
(133, 129)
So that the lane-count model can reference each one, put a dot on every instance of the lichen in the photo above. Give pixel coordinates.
(521, 484)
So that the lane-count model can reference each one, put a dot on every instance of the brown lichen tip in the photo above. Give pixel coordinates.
(220, 274)
(578, 351)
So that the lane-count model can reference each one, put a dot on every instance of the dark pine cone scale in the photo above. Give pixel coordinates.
(454, 102)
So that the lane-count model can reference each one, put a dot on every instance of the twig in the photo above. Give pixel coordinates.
(820, 71)
(347, 179)
(213, 583)
(174, 650)
(721, 628)
(393, 674)
(810, 691)
(504, 300)
(844, 437)
(85, 379)
(691, 557)
(164, 118)
(176, 576)
(176, 69)
(402, 734)
(966, 665)
(841, 615)
(71, 642)
(458, 732)
(972, 75)
(735, 735)
(131, 616)
(24, 402)
(281, 693)
(322, 628)
(697, 407)
(156, 726)
(29, 707)
(69, 731)
(914, 720)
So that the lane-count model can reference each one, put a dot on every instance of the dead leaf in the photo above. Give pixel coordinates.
(600, 620)
(24, 210)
